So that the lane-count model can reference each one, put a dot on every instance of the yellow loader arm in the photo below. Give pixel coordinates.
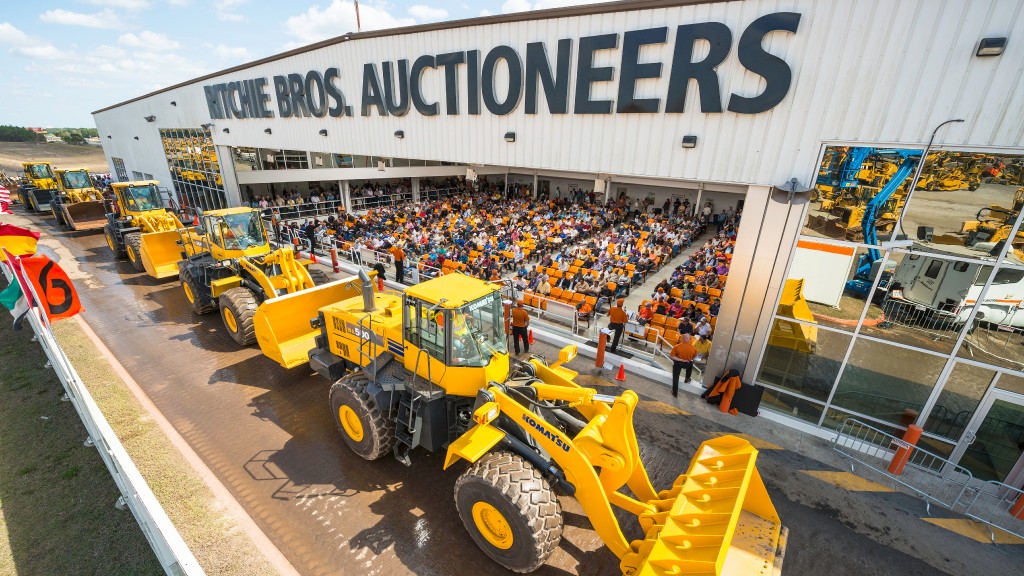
(715, 519)
(293, 277)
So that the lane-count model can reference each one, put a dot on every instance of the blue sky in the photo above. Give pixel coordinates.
(61, 60)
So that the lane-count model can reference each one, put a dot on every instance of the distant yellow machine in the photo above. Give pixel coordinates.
(77, 205)
(141, 228)
(429, 368)
(37, 186)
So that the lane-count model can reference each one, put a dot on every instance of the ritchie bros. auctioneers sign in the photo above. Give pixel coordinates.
(394, 88)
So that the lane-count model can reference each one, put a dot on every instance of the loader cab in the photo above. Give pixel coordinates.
(235, 233)
(74, 179)
(462, 341)
(40, 174)
(138, 197)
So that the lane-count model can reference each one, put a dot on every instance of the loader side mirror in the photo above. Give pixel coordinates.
(200, 230)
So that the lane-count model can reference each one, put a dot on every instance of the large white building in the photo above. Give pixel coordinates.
(741, 102)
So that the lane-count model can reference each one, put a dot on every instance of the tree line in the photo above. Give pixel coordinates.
(70, 135)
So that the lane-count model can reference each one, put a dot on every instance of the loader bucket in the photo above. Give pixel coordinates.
(161, 253)
(283, 328)
(86, 215)
(716, 519)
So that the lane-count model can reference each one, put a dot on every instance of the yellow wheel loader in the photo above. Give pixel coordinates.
(140, 228)
(37, 186)
(76, 204)
(429, 368)
(227, 263)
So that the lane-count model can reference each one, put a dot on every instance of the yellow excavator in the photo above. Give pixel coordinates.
(429, 368)
(993, 225)
(37, 186)
(76, 204)
(140, 228)
(227, 263)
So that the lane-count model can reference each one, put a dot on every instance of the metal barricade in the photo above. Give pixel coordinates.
(998, 505)
(926, 475)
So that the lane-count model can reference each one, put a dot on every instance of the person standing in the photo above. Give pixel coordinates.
(399, 255)
(682, 356)
(520, 325)
(617, 319)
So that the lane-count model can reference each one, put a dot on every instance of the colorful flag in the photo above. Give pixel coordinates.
(17, 241)
(13, 297)
(5, 200)
(53, 287)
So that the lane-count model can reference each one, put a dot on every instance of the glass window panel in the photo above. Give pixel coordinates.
(997, 334)
(924, 300)
(802, 358)
(958, 400)
(886, 382)
(835, 281)
(1011, 383)
(999, 443)
(791, 405)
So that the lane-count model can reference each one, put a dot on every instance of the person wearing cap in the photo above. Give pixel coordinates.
(646, 314)
(702, 328)
(617, 319)
(520, 323)
(682, 355)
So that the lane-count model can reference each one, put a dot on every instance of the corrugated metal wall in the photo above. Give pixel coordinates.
(883, 71)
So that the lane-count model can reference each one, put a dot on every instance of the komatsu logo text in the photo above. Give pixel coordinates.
(546, 433)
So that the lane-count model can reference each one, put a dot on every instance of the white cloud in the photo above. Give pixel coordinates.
(44, 52)
(427, 13)
(225, 52)
(524, 5)
(179, 2)
(486, 12)
(11, 35)
(226, 10)
(102, 19)
(148, 40)
(123, 4)
(338, 18)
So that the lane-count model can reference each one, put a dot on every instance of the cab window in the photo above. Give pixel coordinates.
(425, 328)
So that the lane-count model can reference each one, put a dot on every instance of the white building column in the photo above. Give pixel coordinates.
(346, 195)
(232, 193)
(415, 189)
(535, 192)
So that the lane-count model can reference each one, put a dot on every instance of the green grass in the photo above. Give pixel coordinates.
(57, 512)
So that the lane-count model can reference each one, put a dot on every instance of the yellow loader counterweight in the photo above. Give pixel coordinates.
(429, 368)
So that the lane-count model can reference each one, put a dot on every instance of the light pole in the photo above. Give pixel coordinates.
(898, 229)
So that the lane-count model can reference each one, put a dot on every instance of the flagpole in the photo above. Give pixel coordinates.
(359, 27)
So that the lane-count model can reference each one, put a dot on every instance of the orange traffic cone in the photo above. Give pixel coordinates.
(195, 220)
(531, 340)
(621, 376)
(312, 257)
(380, 284)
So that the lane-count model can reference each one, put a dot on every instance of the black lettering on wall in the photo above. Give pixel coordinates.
(776, 73)
(515, 80)
(399, 107)
(371, 91)
(587, 74)
(473, 81)
(233, 99)
(284, 104)
(243, 97)
(631, 70)
(719, 37)
(296, 83)
(334, 93)
(263, 99)
(316, 96)
(415, 77)
(216, 112)
(556, 85)
(450, 62)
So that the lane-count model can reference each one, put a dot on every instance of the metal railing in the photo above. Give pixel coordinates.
(926, 475)
(170, 549)
(998, 505)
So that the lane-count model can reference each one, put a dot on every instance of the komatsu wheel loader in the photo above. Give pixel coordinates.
(76, 204)
(37, 186)
(140, 228)
(429, 368)
(227, 263)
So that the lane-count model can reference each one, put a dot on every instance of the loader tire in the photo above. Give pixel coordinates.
(237, 310)
(364, 426)
(319, 276)
(115, 246)
(133, 248)
(190, 287)
(510, 511)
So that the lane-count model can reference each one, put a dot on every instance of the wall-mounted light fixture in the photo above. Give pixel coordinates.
(267, 131)
(689, 141)
(399, 133)
(323, 131)
(150, 118)
(206, 126)
(173, 103)
(991, 47)
(136, 137)
(227, 130)
(510, 136)
(109, 136)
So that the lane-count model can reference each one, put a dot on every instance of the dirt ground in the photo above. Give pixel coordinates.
(12, 154)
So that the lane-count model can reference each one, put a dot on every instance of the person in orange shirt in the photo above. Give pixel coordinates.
(520, 323)
(682, 355)
(646, 313)
(399, 256)
(617, 319)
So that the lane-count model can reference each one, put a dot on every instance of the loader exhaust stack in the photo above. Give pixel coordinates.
(368, 305)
